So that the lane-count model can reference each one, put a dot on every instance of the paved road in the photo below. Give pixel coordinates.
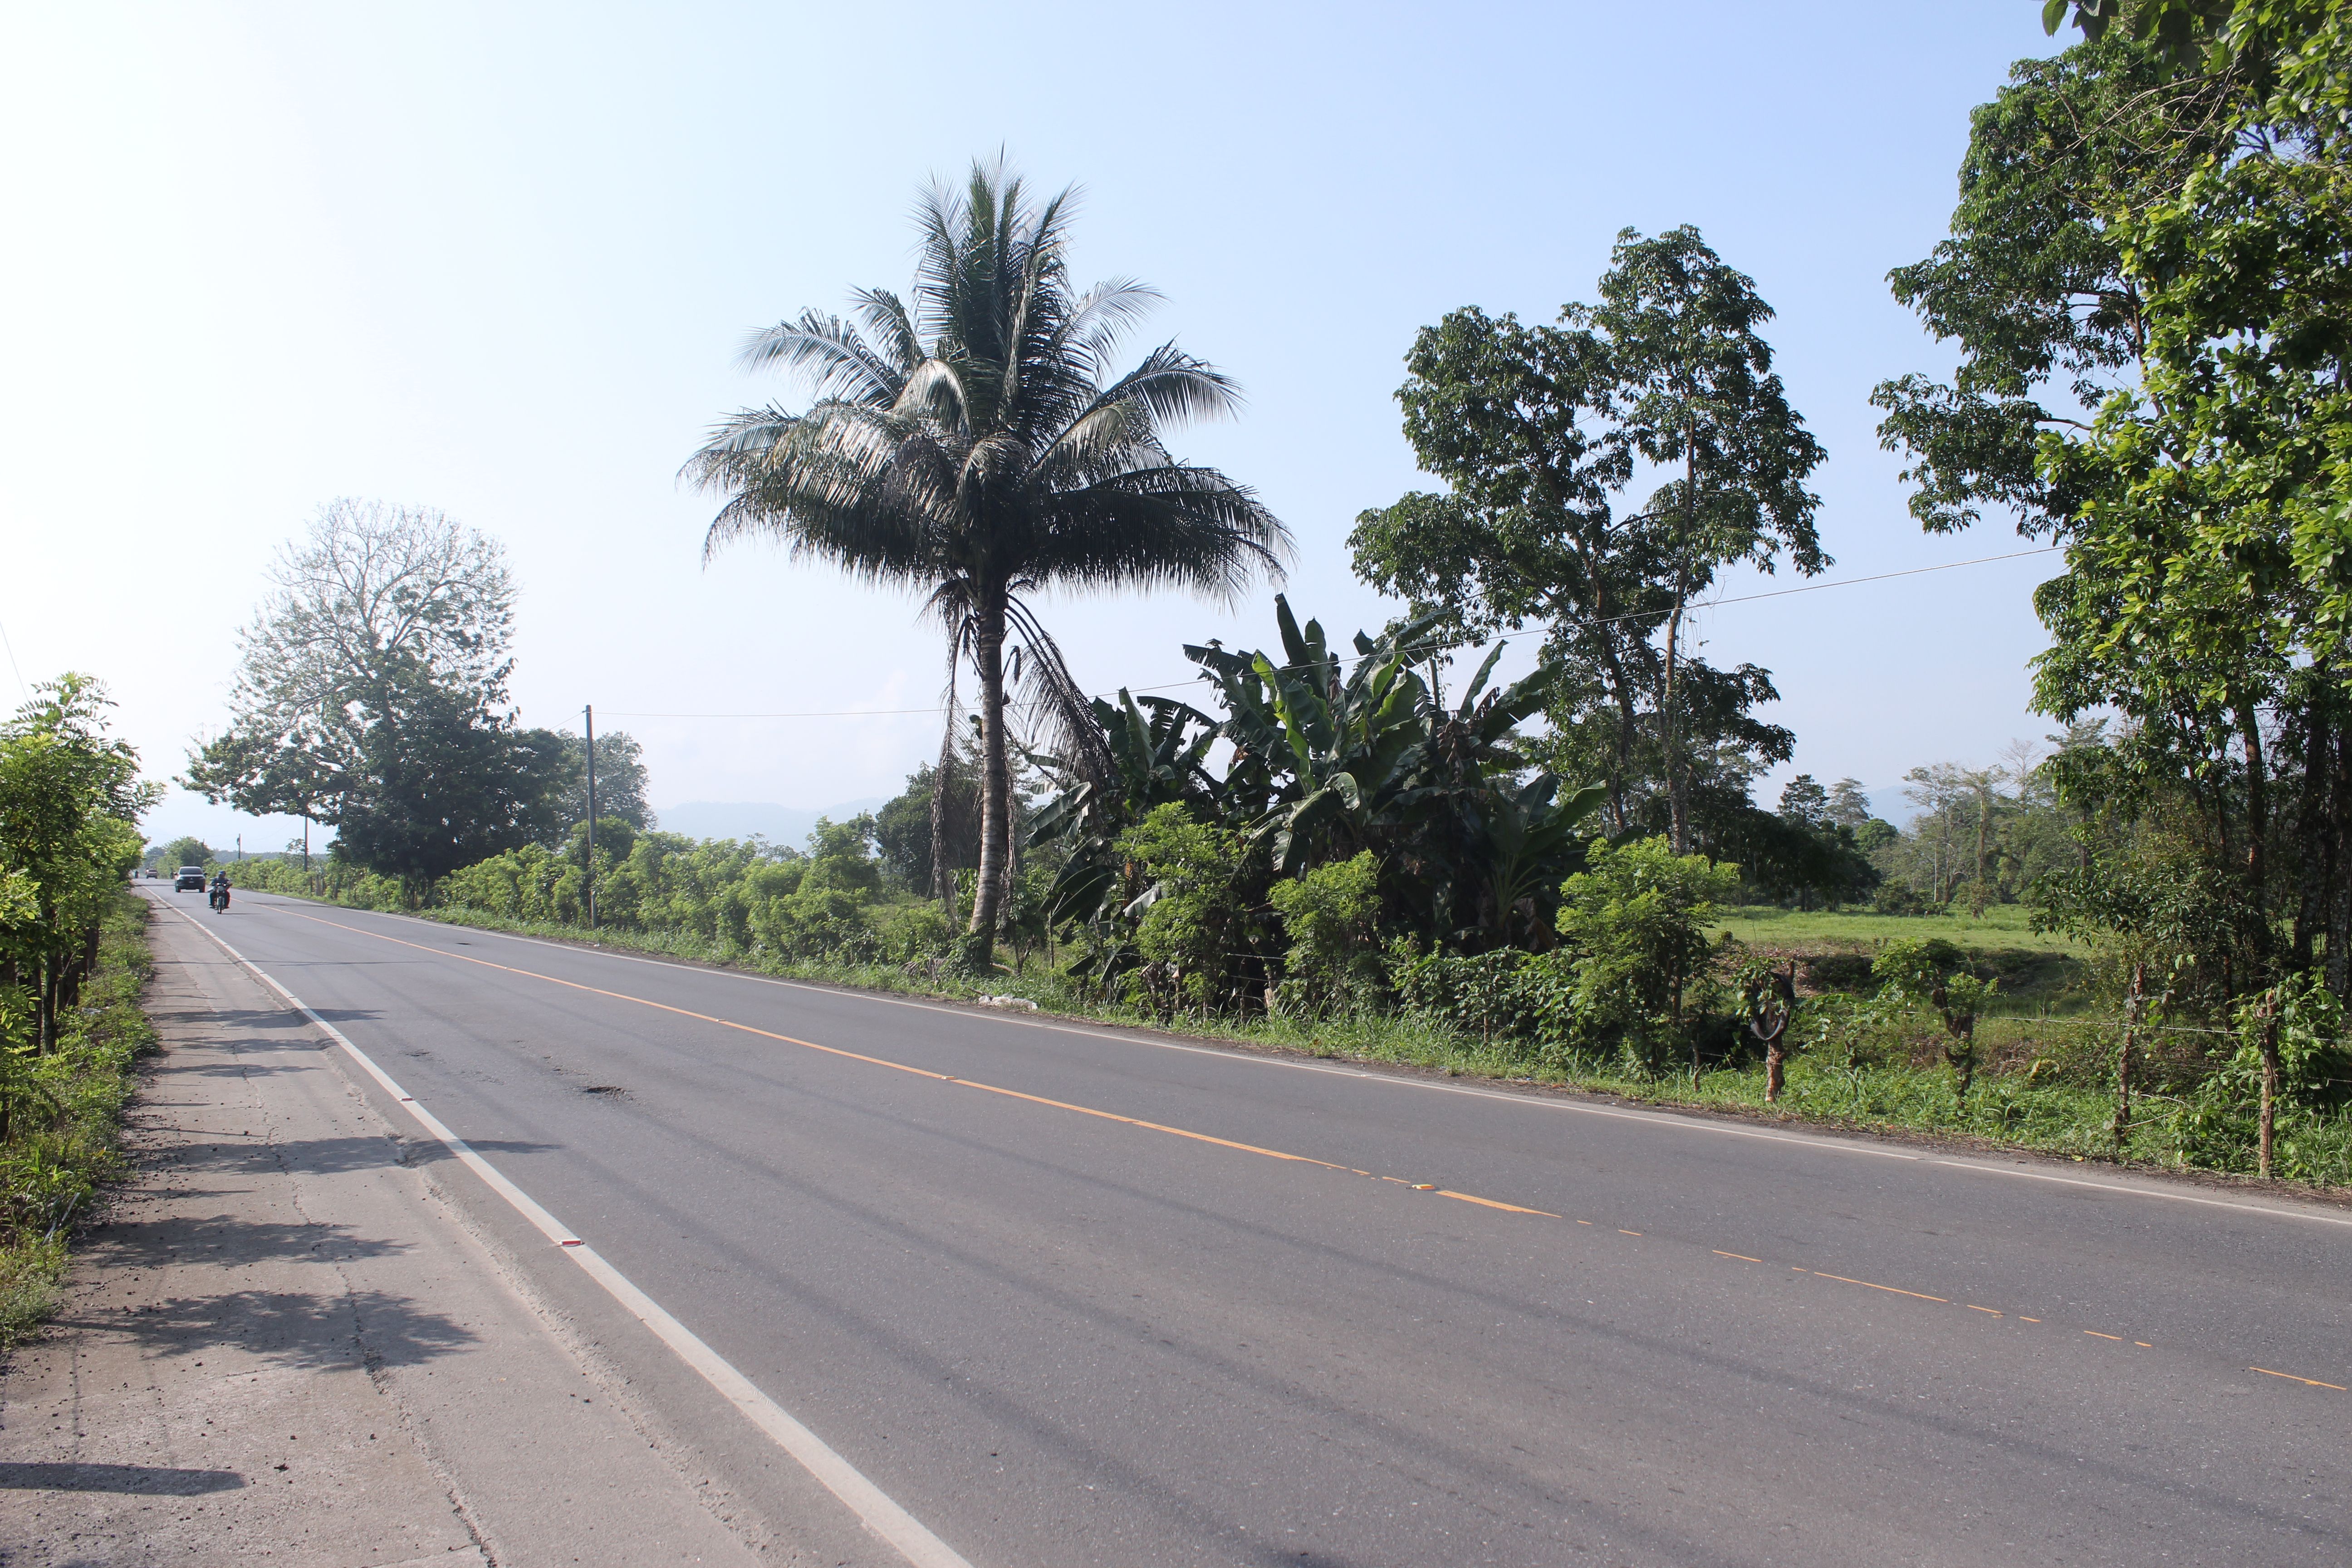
(1074, 1295)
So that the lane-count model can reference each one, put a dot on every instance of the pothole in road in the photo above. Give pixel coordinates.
(611, 1088)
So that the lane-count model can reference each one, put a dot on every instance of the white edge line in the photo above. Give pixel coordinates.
(1984, 1170)
(874, 1508)
(1662, 1118)
(1237, 1055)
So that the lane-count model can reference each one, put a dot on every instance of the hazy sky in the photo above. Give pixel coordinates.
(499, 260)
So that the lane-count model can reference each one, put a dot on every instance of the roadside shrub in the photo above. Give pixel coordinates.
(2218, 1127)
(815, 922)
(1635, 923)
(65, 1115)
(1508, 997)
(1334, 960)
(1195, 921)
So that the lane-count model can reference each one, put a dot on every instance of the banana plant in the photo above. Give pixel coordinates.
(1325, 757)
(1158, 750)
(1331, 755)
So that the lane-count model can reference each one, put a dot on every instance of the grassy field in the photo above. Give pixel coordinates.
(2004, 926)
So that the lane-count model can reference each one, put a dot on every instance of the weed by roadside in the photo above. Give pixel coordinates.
(64, 1134)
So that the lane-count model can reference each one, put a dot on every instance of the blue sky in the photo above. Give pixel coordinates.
(497, 258)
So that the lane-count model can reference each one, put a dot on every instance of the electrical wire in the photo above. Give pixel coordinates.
(19, 673)
(1429, 646)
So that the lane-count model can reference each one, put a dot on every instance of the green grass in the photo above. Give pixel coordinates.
(2004, 926)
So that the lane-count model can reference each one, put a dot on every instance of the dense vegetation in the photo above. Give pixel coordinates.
(71, 962)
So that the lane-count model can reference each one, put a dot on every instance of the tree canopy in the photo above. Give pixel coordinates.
(1540, 434)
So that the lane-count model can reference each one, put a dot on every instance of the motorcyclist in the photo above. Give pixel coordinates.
(219, 898)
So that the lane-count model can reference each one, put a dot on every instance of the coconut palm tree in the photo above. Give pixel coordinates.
(974, 447)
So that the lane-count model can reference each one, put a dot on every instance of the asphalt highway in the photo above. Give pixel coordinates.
(1077, 1295)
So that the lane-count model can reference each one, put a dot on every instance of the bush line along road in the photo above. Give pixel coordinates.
(1073, 1294)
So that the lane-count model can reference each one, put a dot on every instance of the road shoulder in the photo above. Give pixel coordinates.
(283, 1343)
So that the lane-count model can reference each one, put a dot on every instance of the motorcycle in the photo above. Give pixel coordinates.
(219, 895)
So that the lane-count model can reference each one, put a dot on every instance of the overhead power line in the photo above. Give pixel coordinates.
(1197, 679)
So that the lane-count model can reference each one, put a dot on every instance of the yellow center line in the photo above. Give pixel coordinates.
(1890, 1289)
(2292, 1378)
(1161, 1127)
(918, 1072)
(1491, 1204)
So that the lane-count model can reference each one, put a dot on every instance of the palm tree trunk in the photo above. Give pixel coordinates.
(995, 777)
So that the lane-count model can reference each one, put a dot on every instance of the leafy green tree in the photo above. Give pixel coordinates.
(1196, 910)
(1332, 757)
(1331, 916)
(621, 778)
(1694, 386)
(1813, 856)
(373, 599)
(841, 855)
(2294, 56)
(1635, 923)
(975, 448)
(70, 800)
(1935, 973)
(2033, 286)
(2167, 231)
(439, 784)
(1537, 432)
(183, 851)
(904, 826)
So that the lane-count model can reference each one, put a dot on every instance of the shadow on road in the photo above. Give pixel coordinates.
(291, 1328)
(224, 1242)
(153, 1481)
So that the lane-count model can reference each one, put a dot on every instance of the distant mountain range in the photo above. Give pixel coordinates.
(787, 825)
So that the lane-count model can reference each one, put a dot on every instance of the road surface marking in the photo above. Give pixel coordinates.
(1741, 1256)
(1250, 1148)
(918, 1072)
(2292, 1378)
(875, 1509)
(1890, 1289)
(1491, 1204)
(2095, 1334)
(1675, 1121)
(1994, 1311)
